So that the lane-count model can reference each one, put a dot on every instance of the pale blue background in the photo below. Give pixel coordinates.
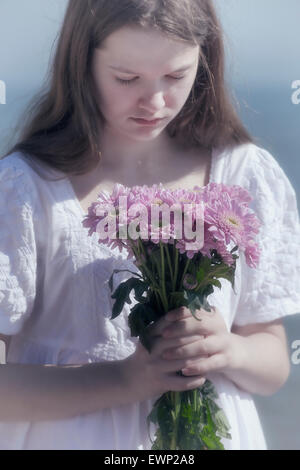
(263, 59)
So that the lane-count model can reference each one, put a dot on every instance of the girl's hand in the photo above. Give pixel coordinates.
(206, 345)
(148, 375)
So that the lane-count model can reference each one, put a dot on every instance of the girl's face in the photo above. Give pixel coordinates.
(142, 74)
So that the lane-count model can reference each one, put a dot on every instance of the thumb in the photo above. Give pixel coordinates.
(157, 328)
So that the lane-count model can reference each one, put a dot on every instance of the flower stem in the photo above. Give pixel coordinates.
(176, 407)
(146, 269)
(163, 283)
(155, 287)
(184, 272)
(170, 266)
(195, 393)
(176, 268)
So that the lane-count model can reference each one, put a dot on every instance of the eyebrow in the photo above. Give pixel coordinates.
(121, 69)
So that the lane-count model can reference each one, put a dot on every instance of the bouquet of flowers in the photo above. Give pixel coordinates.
(180, 244)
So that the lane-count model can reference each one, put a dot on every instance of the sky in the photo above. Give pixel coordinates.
(262, 38)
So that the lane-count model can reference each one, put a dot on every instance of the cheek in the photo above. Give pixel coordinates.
(178, 95)
(109, 94)
(184, 93)
(119, 99)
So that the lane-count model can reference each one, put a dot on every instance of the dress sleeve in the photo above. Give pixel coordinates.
(272, 290)
(18, 254)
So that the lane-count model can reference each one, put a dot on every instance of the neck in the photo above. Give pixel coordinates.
(125, 153)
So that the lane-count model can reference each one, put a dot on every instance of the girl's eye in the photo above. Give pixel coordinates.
(125, 82)
(177, 78)
(128, 82)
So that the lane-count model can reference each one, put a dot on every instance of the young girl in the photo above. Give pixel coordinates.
(136, 96)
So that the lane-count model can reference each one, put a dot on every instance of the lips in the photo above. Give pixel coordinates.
(147, 121)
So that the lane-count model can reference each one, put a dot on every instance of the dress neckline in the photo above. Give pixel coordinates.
(74, 197)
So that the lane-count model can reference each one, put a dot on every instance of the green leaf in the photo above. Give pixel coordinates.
(122, 293)
(116, 271)
(139, 288)
(200, 275)
(201, 422)
(195, 301)
(140, 317)
(230, 276)
(222, 424)
(216, 283)
(212, 441)
(176, 300)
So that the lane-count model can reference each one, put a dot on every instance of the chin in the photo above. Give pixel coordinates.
(144, 136)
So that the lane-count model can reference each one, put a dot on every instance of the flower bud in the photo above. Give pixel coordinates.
(190, 282)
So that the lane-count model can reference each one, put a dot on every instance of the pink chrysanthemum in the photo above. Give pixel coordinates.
(227, 218)
(252, 254)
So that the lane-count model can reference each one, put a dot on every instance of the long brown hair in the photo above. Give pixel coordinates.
(61, 127)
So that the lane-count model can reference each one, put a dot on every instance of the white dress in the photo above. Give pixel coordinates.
(55, 299)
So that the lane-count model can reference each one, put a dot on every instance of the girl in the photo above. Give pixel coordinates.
(136, 96)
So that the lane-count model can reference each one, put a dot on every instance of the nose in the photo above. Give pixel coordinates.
(152, 101)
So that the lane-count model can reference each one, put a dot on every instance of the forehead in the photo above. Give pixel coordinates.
(142, 50)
